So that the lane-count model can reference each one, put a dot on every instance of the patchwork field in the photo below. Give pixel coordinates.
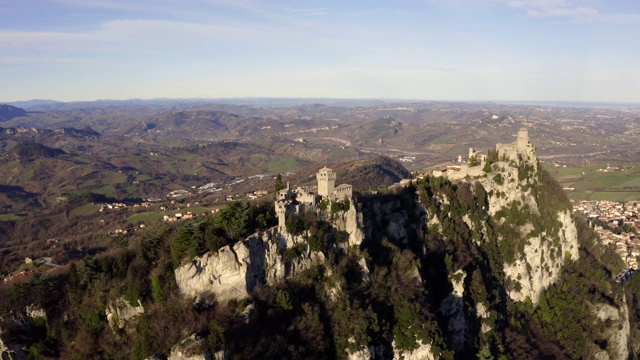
(620, 182)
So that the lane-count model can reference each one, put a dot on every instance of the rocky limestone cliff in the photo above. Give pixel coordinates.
(5, 352)
(234, 270)
(453, 308)
(190, 348)
(362, 354)
(20, 130)
(13, 351)
(539, 262)
(32, 133)
(617, 332)
(122, 315)
(349, 221)
(536, 269)
(423, 352)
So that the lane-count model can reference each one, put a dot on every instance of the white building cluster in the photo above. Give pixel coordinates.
(615, 214)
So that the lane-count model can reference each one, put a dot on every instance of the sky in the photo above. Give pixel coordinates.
(458, 50)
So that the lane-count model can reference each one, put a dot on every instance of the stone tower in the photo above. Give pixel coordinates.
(326, 182)
(522, 139)
(281, 212)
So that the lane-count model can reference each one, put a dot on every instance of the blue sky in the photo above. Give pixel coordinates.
(561, 50)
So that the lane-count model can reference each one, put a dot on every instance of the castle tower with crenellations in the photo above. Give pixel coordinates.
(281, 211)
(326, 182)
(301, 199)
(518, 152)
(523, 139)
(521, 148)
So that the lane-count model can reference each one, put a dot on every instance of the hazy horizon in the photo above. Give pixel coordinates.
(290, 101)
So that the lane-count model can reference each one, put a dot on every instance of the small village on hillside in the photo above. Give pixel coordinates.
(617, 225)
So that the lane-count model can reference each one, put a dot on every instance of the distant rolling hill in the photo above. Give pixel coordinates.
(30, 151)
(364, 174)
(371, 173)
(45, 135)
(8, 112)
(47, 163)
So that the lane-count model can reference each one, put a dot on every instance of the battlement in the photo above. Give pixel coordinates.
(326, 181)
(520, 147)
(301, 199)
(326, 173)
(523, 139)
(519, 150)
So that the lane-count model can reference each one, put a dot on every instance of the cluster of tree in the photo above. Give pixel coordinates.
(30, 151)
(140, 268)
(373, 173)
(233, 223)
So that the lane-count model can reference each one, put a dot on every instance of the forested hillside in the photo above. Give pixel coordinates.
(426, 271)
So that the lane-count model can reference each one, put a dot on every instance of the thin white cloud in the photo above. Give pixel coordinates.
(262, 9)
(577, 14)
(106, 4)
(538, 3)
(146, 35)
(571, 11)
(311, 11)
(621, 18)
(22, 60)
(40, 39)
(252, 7)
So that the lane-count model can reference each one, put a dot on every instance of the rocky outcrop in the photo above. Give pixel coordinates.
(122, 315)
(362, 354)
(13, 351)
(35, 133)
(423, 352)
(20, 130)
(23, 320)
(234, 270)
(269, 257)
(35, 312)
(538, 264)
(617, 331)
(350, 221)
(452, 307)
(191, 348)
(223, 274)
(541, 262)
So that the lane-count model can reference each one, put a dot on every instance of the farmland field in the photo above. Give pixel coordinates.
(618, 183)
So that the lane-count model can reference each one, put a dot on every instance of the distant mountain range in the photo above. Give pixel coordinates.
(30, 103)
